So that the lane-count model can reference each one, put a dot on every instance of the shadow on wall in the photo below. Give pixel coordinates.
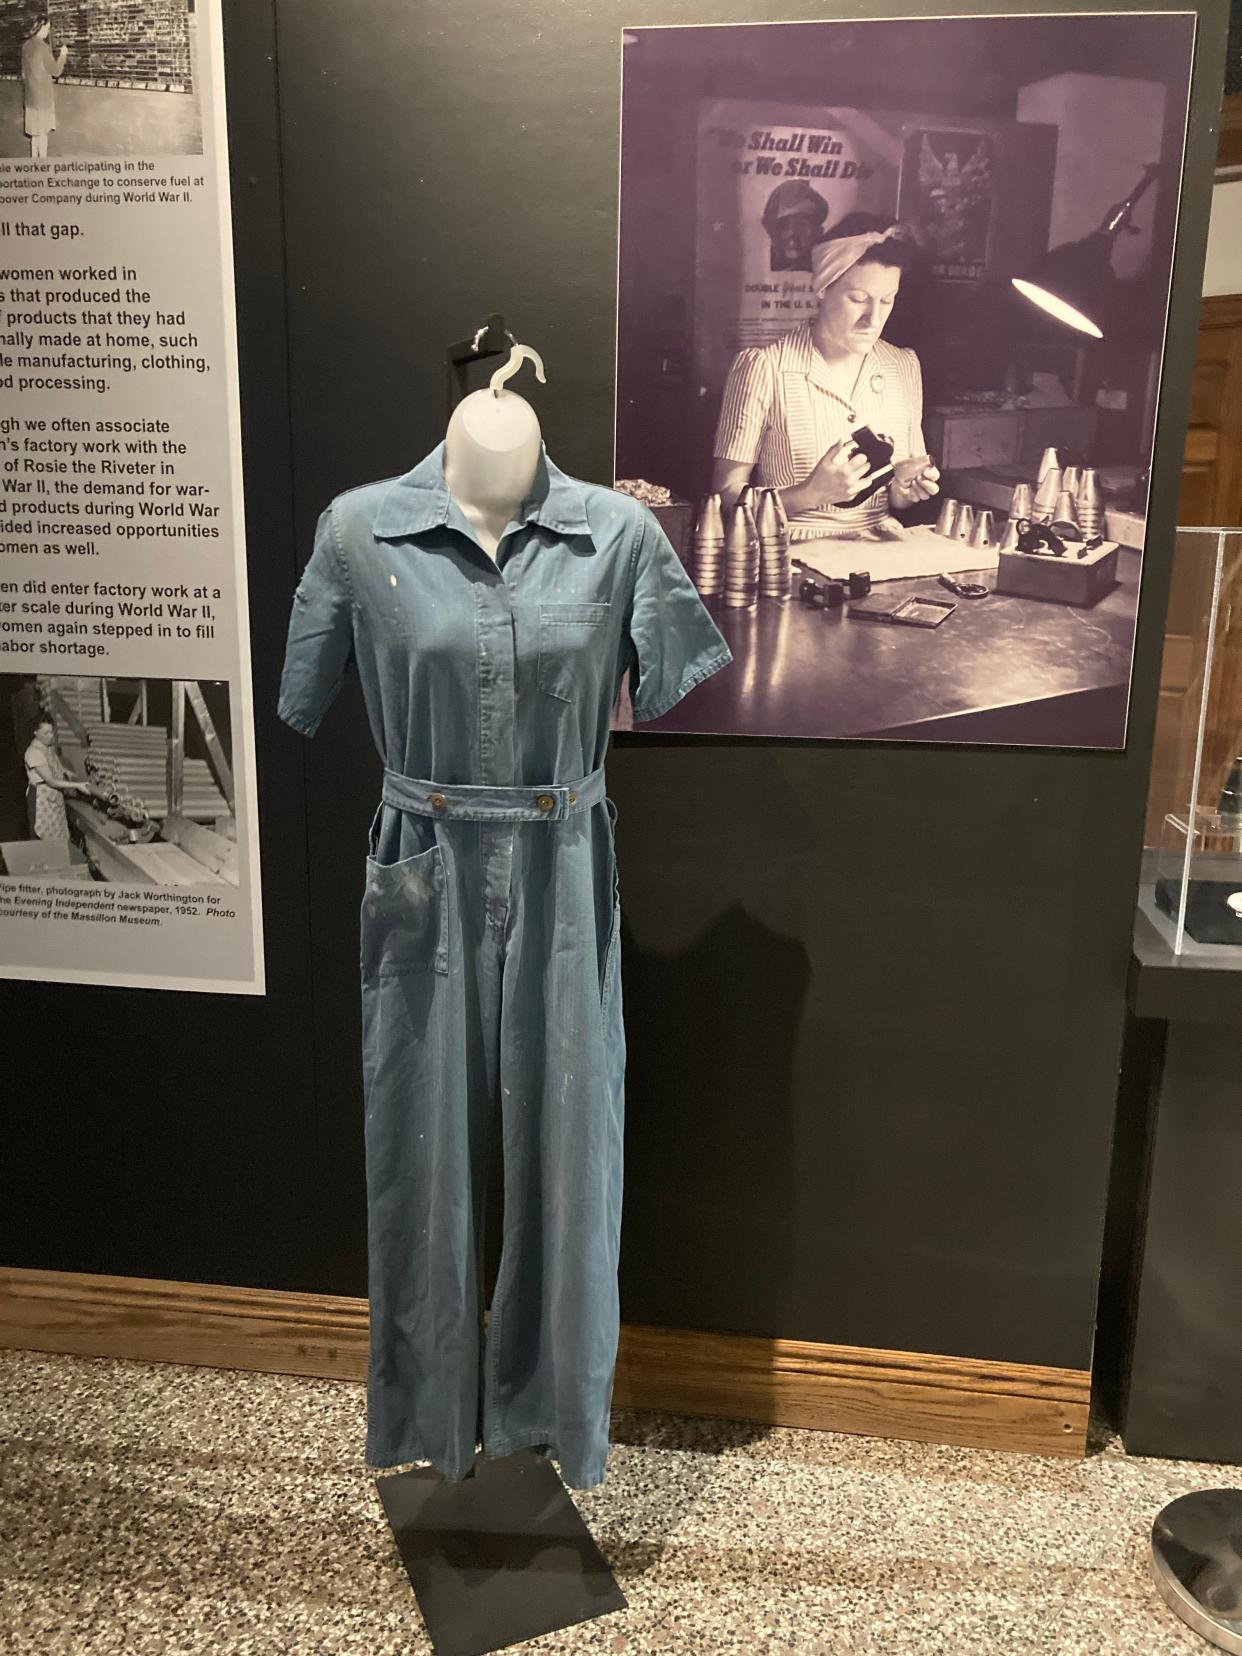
(711, 1178)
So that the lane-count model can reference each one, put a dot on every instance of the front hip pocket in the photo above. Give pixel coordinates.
(571, 648)
(405, 919)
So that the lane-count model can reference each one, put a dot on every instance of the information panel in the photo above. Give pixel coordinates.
(128, 819)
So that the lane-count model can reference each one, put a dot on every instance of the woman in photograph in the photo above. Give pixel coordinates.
(47, 783)
(41, 68)
(789, 408)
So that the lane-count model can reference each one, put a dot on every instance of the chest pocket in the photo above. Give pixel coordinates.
(572, 641)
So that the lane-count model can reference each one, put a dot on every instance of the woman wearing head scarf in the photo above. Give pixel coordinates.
(789, 408)
(40, 68)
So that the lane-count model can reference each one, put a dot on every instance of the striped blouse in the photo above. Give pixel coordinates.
(780, 410)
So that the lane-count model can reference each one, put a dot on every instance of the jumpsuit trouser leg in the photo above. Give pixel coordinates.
(518, 916)
(552, 1339)
(431, 1015)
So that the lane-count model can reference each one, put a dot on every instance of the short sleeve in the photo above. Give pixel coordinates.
(675, 642)
(744, 408)
(321, 634)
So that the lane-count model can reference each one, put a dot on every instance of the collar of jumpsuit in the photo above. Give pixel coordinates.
(421, 500)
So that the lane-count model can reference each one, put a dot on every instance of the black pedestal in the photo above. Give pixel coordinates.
(1176, 1348)
(499, 1557)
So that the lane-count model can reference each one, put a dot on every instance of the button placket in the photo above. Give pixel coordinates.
(496, 655)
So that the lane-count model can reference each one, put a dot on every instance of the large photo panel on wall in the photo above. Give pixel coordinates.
(892, 299)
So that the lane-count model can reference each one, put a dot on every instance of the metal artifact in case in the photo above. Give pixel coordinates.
(1192, 886)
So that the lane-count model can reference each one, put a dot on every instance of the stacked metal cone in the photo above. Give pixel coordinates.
(1065, 518)
(773, 526)
(1088, 505)
(1068, 501)
(707, 566)
(1047, 493)
(741, 559)
(982, 535)
(958, 520)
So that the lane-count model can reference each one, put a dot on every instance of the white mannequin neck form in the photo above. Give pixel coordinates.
(491, 455)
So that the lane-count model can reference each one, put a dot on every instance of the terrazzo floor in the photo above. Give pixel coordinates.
(148, 1508)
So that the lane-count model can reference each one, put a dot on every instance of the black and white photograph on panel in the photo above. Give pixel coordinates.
(98, 78)
(892, 303)
(127, 780)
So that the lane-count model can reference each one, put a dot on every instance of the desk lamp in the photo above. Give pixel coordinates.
(1075, 283)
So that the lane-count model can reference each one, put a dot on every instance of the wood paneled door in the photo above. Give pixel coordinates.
(1212, 469)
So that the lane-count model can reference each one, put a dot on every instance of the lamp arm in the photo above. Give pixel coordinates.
(1118, 217)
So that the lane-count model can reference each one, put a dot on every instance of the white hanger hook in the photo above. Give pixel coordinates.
(517, 355)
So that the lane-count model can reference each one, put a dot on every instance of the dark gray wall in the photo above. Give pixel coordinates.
(874, 994)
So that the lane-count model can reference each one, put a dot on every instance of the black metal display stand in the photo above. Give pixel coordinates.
(498, 1557)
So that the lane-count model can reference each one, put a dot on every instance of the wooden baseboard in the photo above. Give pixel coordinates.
(900, 1394)
(828, 1388)
(272, 1330)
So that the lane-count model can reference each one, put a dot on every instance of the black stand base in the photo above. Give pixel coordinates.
(499, 1557)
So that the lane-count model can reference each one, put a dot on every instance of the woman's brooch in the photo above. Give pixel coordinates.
(877, 384)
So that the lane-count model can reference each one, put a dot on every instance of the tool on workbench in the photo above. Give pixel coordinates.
(857, 582)
(1039, 537)
(963, 589)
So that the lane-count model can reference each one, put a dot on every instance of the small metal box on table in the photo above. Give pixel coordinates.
(1068, 579)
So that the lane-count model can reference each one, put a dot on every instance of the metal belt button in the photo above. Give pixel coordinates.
(573, 798)
(438, 802)
(545, 802)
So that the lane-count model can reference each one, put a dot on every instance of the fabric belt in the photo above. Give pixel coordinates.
(470, 803)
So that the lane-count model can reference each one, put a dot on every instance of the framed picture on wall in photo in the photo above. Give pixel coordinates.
(892, 308)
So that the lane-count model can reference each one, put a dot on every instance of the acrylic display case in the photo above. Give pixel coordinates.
(1191, 891)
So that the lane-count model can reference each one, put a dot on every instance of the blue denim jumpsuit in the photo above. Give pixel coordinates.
(489, 936)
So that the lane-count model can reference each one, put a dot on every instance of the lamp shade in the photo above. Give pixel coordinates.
(1074, 284)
